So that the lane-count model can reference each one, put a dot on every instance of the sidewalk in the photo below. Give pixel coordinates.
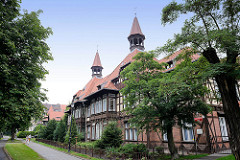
(3, 155)
(51, 154)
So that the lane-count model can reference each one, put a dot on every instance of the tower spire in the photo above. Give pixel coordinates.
(97, 66)
(136, 37)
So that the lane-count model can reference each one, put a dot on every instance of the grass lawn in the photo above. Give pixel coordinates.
(14, 141)
(183, 157)
(229, 157)
(65, 150)
(19, 151)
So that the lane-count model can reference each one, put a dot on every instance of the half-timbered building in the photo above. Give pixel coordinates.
(99, 102)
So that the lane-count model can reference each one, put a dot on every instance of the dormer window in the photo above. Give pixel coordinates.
(170, 64)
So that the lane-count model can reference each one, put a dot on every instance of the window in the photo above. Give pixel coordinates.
(93, 131)
(187, 132)
(165, 136)
(93, 108)
(88, 111)
(79, 113)
(223, 128)
(130, 133)
(104, 104)
(100, 105)
(97, 131)
(111, 104)
(100, 129)
(124, 99)
(97, 109)
(216, 89)
(126, 131)
(88, 131)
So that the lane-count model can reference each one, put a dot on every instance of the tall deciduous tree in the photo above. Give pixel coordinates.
(23, 52)
(159, 100)
(214, 30)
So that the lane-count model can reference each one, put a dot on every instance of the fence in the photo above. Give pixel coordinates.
(98, 153)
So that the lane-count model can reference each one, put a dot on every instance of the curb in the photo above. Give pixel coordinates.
(8, 156)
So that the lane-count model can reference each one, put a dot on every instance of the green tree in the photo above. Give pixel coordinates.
(74, 132)
(60, 131)
(111, 136)
(42, 132)
(51, 126)
(158, 100)
(213, 29)
(38, 128)
(22, 53)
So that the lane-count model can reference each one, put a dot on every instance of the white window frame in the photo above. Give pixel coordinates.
(88, 131)
(223, 128)
(112, 105)
(100, 105)
(189, 130)
(97, 131)
(104, 104)
(93, 131)
(93, 108)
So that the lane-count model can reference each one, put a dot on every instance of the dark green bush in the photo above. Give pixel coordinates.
(111, 137)
(160, 150)
(23, 134)
(131, 149)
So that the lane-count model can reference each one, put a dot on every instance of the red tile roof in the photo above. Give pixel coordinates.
(173, 56)
(136, 27)
(56, 114)
(106, 83)
(97, 61)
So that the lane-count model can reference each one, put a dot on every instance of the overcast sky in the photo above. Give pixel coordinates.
(79, 26)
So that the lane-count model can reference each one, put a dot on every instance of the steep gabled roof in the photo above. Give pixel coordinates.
(136, 28)
(106, 82)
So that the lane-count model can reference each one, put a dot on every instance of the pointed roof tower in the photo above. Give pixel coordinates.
(97, 61)
(136, 37)
(136, 27)
(97, 67)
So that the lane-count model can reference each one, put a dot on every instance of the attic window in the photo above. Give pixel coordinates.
(99, 87)
(170, 64)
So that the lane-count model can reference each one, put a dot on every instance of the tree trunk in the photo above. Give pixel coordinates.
(171, 144)
(13, 130)
(227, 88)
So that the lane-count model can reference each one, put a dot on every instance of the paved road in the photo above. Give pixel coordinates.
(51, 154)
(3, 156)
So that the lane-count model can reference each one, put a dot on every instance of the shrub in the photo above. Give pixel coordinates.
(38, 128)
(160, 150)
(87, 144)
(113, 152)
(23, 134)
(111, 137)
(130, 149)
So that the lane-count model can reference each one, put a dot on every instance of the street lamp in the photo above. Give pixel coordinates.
(70, 132)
